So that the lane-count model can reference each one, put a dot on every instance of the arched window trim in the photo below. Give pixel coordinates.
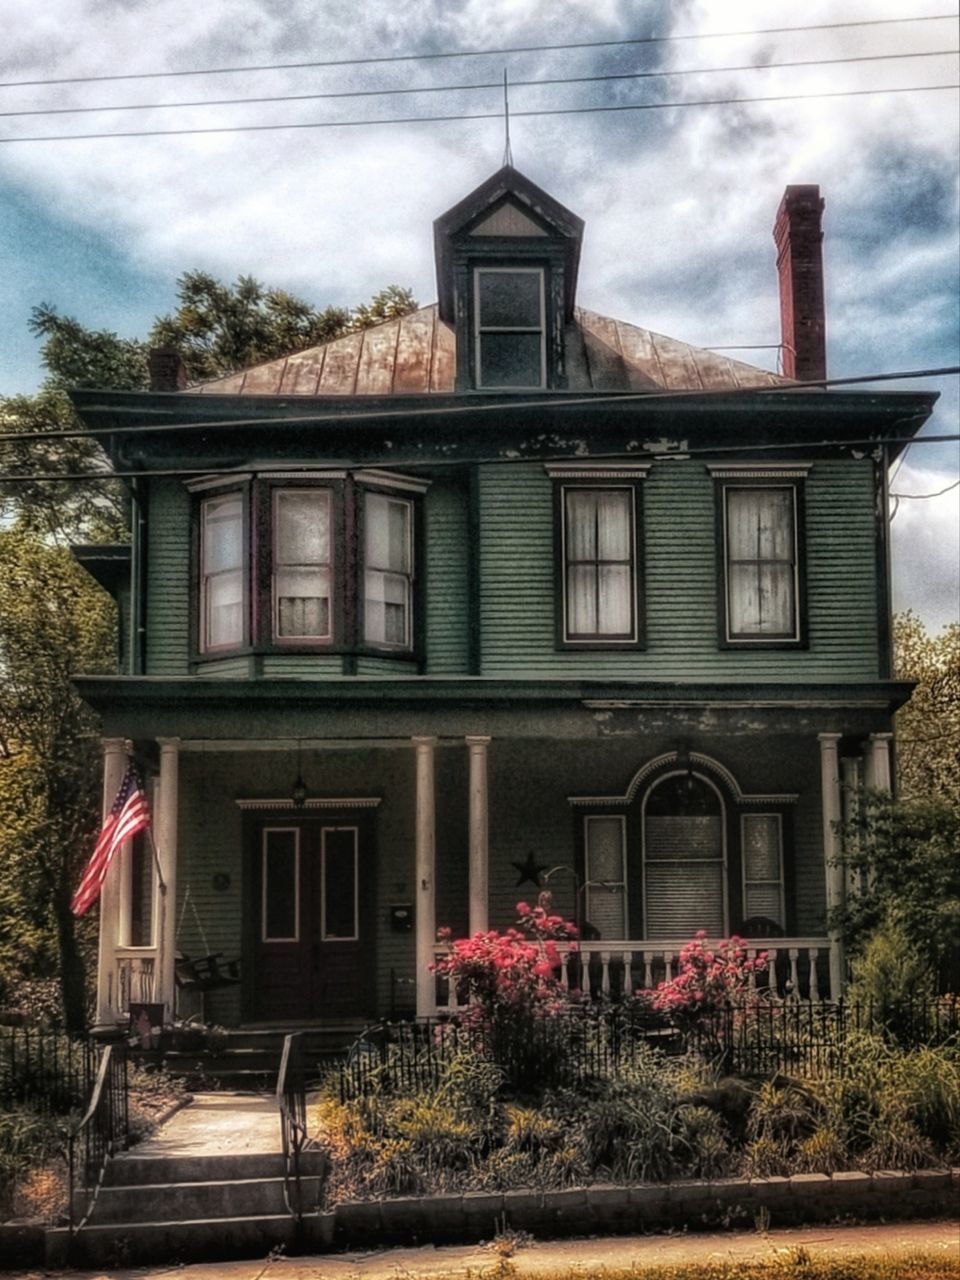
(657, 780)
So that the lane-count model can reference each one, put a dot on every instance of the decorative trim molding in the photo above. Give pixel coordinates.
(707, 765)
(223, 481)
(597, 470)
(315, 802)
(306, 472)
(759, 470)
(389, 480)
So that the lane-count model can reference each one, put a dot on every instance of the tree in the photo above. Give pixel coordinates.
(928, 727)
(54, 623)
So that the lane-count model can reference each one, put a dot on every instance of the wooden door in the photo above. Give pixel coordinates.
(311, 921)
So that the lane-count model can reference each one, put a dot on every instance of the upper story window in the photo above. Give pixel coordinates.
(222, 572)
(598, 554)
(760, 517)
(509, 327)
(326, 562)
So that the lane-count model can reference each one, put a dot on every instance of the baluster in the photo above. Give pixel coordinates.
(648, 969)
(565, 970)
(814, 984)
(772, 970)
(605, 973)
(627, 958)
(668, 966)
(752, 977)
(794, 974)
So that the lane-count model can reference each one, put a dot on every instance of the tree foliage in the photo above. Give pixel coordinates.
(54, 623)
(928, 727)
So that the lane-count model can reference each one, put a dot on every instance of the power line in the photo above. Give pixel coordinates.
(556, 400)
(939, 493)
(652, 455)
(476, 53)
(485, 84)
(480, 115)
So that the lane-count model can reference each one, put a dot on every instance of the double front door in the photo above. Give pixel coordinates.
(309, 914)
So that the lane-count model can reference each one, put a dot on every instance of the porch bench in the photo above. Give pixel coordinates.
(201, 974)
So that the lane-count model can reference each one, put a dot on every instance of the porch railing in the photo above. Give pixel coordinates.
(134, 979)
(796, 968)
(102, 1132)
(292, 1105)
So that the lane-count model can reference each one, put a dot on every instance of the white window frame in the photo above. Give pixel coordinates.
(622, 884)
(479, 330)
(263, 883)
(724, 863)
(391, 646)
(203, 637)
(744, 817)
(278, 492)
(599, 637)
(324, 936)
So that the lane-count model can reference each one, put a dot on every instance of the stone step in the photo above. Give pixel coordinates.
(180, 1201)
(136, 1170)
(141, 1242)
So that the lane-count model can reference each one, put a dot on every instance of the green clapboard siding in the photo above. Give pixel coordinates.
(308, 665)
(168, 586)
(680, 563)
(447, 579)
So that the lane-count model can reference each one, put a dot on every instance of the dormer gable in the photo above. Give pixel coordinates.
(507, 257)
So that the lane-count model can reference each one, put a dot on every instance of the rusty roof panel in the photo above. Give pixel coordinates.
(378, 359)
(640, 357)
(231, 385)
(301, 377)
(443, 374)
(678, 364)
(414, 348)
(605, 368)
(339, 377)
(264, 379)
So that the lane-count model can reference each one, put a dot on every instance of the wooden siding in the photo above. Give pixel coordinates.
(680, 562)
(446, 580)
(168, 579)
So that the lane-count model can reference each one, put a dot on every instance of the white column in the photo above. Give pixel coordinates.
(833, 871)
(114, 767)
(479, 834)
(426, 858)
(165, 837)
(877, 772)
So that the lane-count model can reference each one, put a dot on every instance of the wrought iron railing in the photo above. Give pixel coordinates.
(49, 1070)
(292, 1104)
(100, 1134)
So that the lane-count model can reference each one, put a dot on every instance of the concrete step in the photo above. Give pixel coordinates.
(132, 1170)
(141, 1242)
(182, 1201)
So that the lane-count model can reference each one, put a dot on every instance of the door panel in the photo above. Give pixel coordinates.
(311, 909)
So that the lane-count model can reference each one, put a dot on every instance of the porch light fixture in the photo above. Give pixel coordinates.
(299, 793)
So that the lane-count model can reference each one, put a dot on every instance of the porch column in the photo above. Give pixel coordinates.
(114, 767)
(479, 834)
(833, 871)
(877, 772)
(426, 858)
(165, 837)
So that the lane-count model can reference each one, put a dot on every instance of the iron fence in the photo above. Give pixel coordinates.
(761, 1039)
(101, 1133)
(46, 1070)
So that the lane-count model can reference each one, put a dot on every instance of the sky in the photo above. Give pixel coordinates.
(678, 202)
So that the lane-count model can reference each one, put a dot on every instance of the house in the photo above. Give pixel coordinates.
(498, 595)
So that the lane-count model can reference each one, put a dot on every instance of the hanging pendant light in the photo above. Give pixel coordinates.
(299, 793)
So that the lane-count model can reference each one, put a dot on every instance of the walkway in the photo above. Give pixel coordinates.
(216, 1124)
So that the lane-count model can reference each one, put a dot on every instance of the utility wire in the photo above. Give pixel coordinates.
(485, 84)
(477, 53)
(480, 115)
(939, 493)
(651, 455)
(556, 400)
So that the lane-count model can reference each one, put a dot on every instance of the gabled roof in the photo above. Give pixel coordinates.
(507, 204)
(416, 355)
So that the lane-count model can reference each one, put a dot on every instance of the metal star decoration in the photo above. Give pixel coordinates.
(530, 870)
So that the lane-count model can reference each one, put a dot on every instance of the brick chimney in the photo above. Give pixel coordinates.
(167, 370)
(799, 238)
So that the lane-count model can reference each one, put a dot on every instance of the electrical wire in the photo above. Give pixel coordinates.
(556, 399)
(651, 455)
(478, 53)
(939, 493)
(486, 84)
(478, 115)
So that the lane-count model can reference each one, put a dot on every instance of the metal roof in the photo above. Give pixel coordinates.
(416, 355)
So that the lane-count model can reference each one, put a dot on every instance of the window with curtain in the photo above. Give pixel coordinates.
(599, 564)
(762, 846)
(388, 571)
(683, 859)
(302, 564)
(605, 883)
(761, 565)
(509, 327)
(221, 572)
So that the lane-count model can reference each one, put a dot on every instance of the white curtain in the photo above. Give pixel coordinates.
(301, 563)
(760, 561)
(599, 552)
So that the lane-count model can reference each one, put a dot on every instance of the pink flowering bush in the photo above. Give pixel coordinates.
(510, 981)
(709, 979)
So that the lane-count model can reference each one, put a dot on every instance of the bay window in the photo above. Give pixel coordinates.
(222, 572)
(302, 564)
(388, 572)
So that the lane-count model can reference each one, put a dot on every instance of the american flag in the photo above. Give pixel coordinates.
(128, 814)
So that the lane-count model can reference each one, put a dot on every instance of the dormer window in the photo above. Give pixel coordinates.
(510, 329)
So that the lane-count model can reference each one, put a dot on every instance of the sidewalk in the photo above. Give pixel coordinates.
(588, 1258)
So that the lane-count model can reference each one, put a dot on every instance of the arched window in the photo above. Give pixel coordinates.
(684, 858)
